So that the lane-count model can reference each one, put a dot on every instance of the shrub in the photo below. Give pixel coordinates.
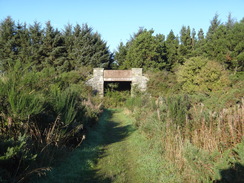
(162, 83)
(15, 156)
(115, 98)
(202, 75)
(47, 111)
(199, 143)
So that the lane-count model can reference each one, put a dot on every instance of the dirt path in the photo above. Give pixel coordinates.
(113, 152)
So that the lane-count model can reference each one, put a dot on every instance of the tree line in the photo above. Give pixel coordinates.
(45, 109)
(45, 106)
(78, 46)
(66, 50)
(222, 43)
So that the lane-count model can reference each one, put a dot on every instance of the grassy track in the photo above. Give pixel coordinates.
(113, 152)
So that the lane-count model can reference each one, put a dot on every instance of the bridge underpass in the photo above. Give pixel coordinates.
(127, 79)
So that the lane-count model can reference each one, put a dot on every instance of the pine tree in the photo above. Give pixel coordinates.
(225, 44)
(215, 23)
(200, 44)
(23, 43)
(120, 54)
(215, 40)
(172, 45)
(146, 51)
(7, 44)
(185, 42)
(36, 34)
(236, 55)
(89, 48)
(53, 49)
(218, 47)
(230, 22)
(193, 38)
(200, 35)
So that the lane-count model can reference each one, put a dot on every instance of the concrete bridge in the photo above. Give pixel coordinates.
(133, 76)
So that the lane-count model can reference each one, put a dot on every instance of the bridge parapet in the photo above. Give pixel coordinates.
(117, 75)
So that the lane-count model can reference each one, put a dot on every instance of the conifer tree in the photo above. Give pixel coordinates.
(200, 35)
(200, 44)
(36, 34)
(214, 24)
(146, 51)
(235, 58)
(185, 42)
(120, 54)
(172, 45)
(89, 48)
(22, 43)
(7, 44)
(226, 46)
(193, 39)
(53, 49)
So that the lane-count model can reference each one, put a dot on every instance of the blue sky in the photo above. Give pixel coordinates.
(116, 21)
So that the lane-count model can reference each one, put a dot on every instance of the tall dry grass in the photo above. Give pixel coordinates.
(218, 130)
(198, 145)
(210, 133)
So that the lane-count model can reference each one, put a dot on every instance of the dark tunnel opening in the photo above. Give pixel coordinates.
(117, 86)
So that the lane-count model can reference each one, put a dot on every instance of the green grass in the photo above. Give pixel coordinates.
(132, 160)
(114, 151)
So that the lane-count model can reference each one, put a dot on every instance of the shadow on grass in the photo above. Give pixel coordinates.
(107, 131)
(114, 132)
(80, 165)
(234, 174)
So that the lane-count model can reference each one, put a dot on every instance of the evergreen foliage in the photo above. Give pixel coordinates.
(146, 51)
(48, 47)
(222, 43)
(42, 94)
(45, 105)
(202, 75)
(172, 53)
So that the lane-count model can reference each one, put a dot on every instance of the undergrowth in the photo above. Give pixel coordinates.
(42, 116)
(198, 143)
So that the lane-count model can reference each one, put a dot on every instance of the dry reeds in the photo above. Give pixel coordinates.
(218, 131)
(212, 132)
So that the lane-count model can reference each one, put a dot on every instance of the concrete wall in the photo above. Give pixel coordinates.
(134, 75)
(117, 75)
(138, 80)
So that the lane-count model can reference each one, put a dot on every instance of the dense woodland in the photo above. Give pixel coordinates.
(194, 103)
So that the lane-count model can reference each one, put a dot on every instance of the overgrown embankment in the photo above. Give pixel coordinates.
(42, 115)
(145, 144)
(197, 144)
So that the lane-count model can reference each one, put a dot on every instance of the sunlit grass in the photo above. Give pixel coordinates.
(113, 152)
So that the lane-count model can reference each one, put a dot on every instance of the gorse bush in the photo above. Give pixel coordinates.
(17, 156)
(202, 75)
(115, 98)
(64, 103)
(162, 83)
(40, 112)
(177, 107)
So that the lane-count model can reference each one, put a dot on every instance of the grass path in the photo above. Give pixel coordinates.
(113, 152)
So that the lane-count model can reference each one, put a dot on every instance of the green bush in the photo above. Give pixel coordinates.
(162, 83)
(115, 98)
(49, 109)
(202, 75)
(178, 107)
(15, 156)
